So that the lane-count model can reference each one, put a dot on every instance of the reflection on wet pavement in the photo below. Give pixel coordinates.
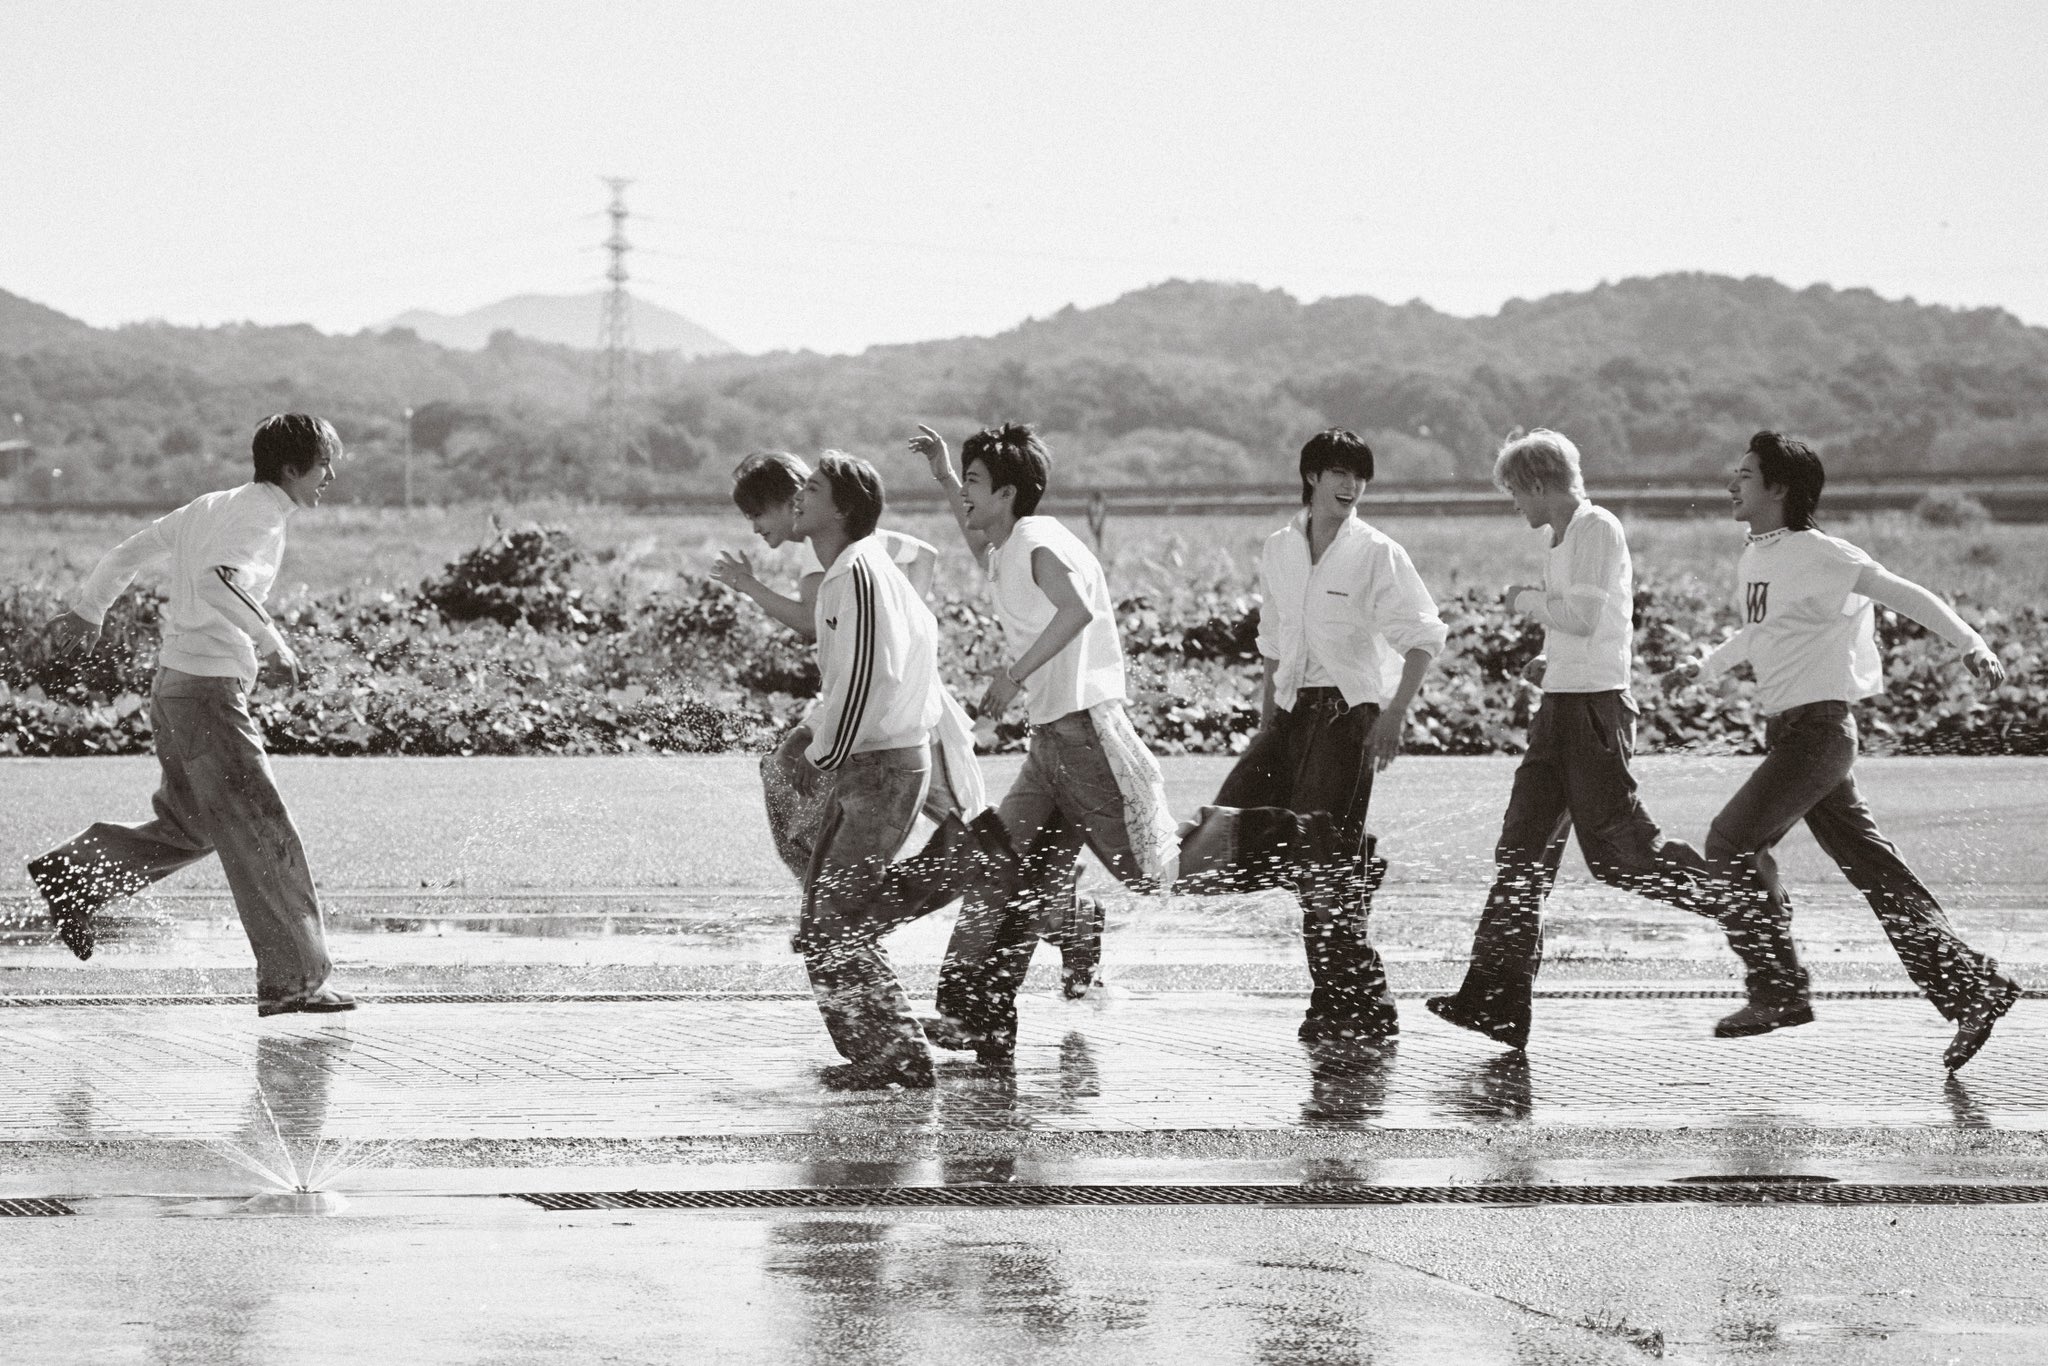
(1180, 1062)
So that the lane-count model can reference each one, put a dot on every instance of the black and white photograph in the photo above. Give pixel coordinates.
(820, 683)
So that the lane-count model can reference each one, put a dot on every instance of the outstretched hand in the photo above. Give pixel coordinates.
(1984, 663)
(72, 632)
(735, 570)
(929, 445)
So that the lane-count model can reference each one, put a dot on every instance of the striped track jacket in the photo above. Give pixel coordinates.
(878, 652)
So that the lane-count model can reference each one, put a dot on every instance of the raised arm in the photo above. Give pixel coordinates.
(1912, 601)
(932, 447)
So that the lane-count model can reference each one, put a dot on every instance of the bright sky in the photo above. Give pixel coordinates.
(833, 175)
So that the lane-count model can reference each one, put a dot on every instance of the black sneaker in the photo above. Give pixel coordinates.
(1761, 1017)
(71, 911)
(1974, 1028)
(911, 1071)
(943, 1031)
(1515, 1034)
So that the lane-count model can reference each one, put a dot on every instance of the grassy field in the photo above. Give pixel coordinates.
(2000, 565)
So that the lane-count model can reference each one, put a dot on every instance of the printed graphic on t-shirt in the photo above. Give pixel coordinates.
(1759, 600)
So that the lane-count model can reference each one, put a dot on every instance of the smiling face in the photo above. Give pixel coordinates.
(304, 487)
(776, 523)
(1751, 500)
(814, 512)
(988, 508)
(1333, 494)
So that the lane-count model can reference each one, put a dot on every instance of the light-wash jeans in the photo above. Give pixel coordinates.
(853, 895)
(796, 800)
(1065, 798)
(217, 795)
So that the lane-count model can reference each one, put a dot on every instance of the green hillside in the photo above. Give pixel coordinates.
(1180, 382)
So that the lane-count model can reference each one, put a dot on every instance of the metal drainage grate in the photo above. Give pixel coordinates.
(435, 998)
(1756, 1192)
(33, 1209)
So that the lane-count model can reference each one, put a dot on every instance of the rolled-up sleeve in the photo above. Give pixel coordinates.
(1270, 645)
(1402, 609)
(1593, 578)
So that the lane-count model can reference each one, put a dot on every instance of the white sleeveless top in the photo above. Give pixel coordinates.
(1091, 669)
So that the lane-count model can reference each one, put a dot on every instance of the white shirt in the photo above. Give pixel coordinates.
(240, 530)
(1586, 605)
(878, 650)
(1090, 670)
(1350, 617)
(1805, 630)
(902, 551)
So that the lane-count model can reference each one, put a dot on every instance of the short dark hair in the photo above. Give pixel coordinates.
(766, 478)
(1334, 449)
(291, 443)
(1789, 464)
(856, 491)
(1015, 459)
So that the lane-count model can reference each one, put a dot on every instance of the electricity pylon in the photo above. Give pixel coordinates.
(615, 366)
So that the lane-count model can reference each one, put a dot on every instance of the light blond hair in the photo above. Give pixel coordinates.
(1542, 460)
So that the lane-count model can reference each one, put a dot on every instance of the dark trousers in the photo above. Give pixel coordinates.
(1575, 774)
(1806, 774)
(217, 795)
(1313, 758)
(1065, 799)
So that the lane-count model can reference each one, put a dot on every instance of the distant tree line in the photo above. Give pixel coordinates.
(1181, 382)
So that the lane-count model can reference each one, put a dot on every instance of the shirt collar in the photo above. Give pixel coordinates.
(1353, 524)
(1769, 536)
(281, 500)
(853, 551)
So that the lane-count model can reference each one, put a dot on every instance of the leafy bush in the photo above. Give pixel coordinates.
(521, 647)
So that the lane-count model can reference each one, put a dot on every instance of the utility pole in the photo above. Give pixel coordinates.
(408, 459)
(615, 334)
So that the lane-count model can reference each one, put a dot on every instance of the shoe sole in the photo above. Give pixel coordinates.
(1787, 1021)
(296, 1008)
(1505, 1035)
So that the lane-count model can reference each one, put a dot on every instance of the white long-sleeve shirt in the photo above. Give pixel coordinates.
(1349, 618)
(878, 651)
(1810, 636)
(224, 550)
(1586, 605)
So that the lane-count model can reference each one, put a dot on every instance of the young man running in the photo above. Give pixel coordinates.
(1346, 631)
(1808, 631)
(217, 792)
(1575, 771)
(765, 488)
(870, 754)
(1087, 778)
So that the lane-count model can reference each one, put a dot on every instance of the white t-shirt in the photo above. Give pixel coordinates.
(1805, 630)
(902, 551)
(1587, 606)
(1090, 670)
